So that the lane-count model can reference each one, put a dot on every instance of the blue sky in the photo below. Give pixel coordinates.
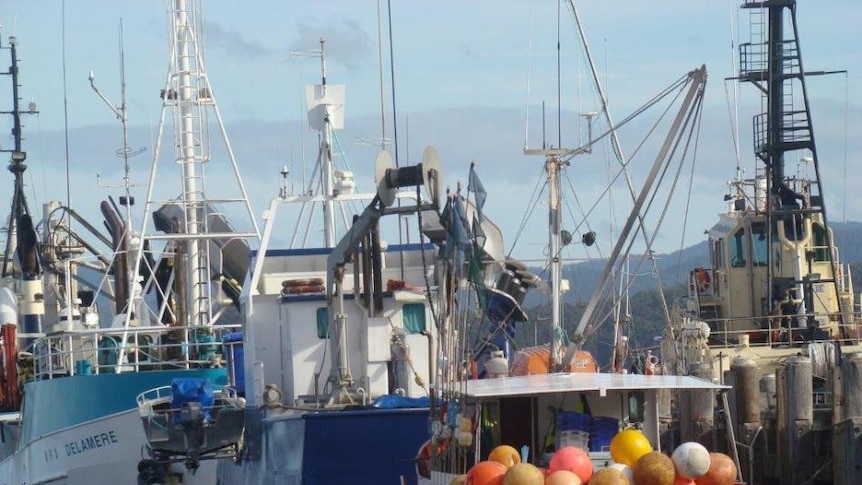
(454, 60)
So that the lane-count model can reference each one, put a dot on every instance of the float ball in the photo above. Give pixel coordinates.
(573, 459)
(654, 468)
(506, 455)
(486, 473)
(609, 476)
(523, 474)
(722, 471)
(562, 477)
(459, 480)
(691, 460)
(626, 471)
(683, 481)
(628, 446)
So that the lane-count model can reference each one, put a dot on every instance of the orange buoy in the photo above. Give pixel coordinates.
(486, 473)
(563, 477)
(722, 471)
(506, 455)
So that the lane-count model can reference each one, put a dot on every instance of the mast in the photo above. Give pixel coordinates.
(774, 65)
(189, 97)
(119, 228)
(553, 165)
(21, 255)
(325, 114)
(20, 211)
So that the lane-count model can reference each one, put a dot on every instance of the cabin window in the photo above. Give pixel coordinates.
(413, 315)
(738, 249)
(759, 244)
(818, 239)
(322, 322)
(717, 255)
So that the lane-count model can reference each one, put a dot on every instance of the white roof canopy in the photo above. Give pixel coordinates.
(580, 382)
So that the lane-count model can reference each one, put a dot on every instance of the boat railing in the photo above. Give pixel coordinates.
(777, 332)
(96, 351)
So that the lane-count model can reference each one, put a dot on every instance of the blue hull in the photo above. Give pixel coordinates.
(375, 446)
(361, 447)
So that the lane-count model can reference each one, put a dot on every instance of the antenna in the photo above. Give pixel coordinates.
(121, 111)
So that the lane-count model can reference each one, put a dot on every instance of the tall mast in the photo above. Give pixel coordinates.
(189, 96)
(325, 114)
(774, 65)
(553, 166)
(120, 229)
(20, 212)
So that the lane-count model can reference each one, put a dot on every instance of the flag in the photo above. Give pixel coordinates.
(475, 186)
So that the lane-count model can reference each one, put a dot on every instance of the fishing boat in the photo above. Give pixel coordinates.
(774, 311)
(337, 347)
(72, 368)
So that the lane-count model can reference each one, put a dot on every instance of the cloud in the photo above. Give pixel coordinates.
(234, 43)
(346, 43)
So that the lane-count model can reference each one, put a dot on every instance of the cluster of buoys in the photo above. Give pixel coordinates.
(635, 464)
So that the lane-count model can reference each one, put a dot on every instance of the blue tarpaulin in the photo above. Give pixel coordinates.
(192, 389)
(392, 401)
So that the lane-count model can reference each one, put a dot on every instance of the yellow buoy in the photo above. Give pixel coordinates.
(628, 446)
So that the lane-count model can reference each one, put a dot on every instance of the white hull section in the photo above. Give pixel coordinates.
(105, 451)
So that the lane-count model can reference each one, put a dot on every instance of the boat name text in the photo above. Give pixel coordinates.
(91, 442)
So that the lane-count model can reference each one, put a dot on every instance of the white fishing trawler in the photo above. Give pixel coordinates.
(72, 374)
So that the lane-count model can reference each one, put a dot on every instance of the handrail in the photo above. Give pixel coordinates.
(66, 353)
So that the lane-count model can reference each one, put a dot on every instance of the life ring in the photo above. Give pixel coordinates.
(702, 279)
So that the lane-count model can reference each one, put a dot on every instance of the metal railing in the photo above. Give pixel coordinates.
(775, 334)
(96, 351)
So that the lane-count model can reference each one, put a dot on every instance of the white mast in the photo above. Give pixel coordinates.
(189, 96)
(325, 113)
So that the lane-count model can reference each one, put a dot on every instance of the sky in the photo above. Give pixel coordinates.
(470, 78)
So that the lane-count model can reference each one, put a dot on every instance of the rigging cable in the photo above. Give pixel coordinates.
(559, 82)
(530, 209)
(382, 83)
(734, 100)
(846, 109)
(529, 66)
(66, 119)
(392, 81)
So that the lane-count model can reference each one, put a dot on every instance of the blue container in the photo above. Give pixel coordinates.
(83, 367)
(235, 360)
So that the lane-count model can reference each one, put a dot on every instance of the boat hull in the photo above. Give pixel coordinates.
(87, 429)
(368, 446)
(105, 450)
